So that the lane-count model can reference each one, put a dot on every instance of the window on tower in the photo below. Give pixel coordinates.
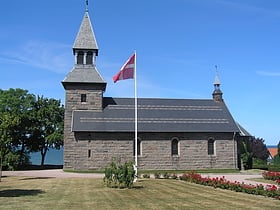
(80, 58)
(83, 98)
(89, 58)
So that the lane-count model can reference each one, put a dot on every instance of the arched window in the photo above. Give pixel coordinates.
(139, 145)
(80, 58)
(211, 146)
(175, 147)
(89, 58)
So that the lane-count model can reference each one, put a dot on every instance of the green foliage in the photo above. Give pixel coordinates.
(246, 154)
(7, 151)
(47, 132)
(259, 148)
(276, 158)
(166, 175)
(119, 175)
(271, 175)
(174, 176)
(157, 175)
(278, 146)
(253, 148)
(17, 103)
(28, 124)
(259, 164)
(274, 167)
(11, 160)
(221, 182)
(146, 176)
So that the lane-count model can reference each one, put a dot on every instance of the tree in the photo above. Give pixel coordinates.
(259, 149)
(246, 154)
(18, 102)
(253, 149)
(39, 124)
(7, 150)
(47, 132)
(119, 175)
(276, 158)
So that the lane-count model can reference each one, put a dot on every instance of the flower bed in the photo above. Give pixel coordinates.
(268, 190)
(271, 175)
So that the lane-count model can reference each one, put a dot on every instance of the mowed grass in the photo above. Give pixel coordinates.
(87, 193)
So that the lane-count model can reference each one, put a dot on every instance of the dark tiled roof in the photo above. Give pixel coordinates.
(156, 115)
(84, 74)
(243, 131)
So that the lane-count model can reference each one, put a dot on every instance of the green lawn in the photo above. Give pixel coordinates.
(85, 193)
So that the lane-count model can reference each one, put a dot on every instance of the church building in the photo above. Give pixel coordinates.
(172, 133)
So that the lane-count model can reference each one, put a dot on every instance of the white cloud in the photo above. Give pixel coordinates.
(268, 73)
(51, 56)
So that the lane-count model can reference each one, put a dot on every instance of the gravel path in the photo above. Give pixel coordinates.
(59, 173)
(55, 173)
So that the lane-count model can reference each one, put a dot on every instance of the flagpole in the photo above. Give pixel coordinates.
(136, 116)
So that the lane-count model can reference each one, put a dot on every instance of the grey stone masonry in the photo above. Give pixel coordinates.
(94, 97)
(96, 151)
(73, 102)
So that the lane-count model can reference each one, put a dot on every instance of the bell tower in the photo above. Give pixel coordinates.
(84, 86)
(217, 93)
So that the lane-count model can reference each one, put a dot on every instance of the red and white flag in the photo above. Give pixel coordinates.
(127, 70)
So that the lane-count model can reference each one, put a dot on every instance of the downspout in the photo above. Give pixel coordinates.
(234, 149)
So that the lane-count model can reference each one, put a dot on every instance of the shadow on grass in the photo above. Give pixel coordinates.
(34, 178)
(19, 192)
(137, 187)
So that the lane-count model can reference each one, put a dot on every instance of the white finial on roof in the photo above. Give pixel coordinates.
(217, 80)
(86, 5)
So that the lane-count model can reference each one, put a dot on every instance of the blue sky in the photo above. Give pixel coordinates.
(178, 44)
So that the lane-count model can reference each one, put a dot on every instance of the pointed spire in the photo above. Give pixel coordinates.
(217, 93)
(85, 51)
(85, 39)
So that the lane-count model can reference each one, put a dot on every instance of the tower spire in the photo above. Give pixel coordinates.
(85, 39)
(217, 94)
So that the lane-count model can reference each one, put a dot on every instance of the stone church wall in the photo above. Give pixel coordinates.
(96, 150)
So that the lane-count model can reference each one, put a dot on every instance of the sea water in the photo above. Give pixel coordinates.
(53, 157)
